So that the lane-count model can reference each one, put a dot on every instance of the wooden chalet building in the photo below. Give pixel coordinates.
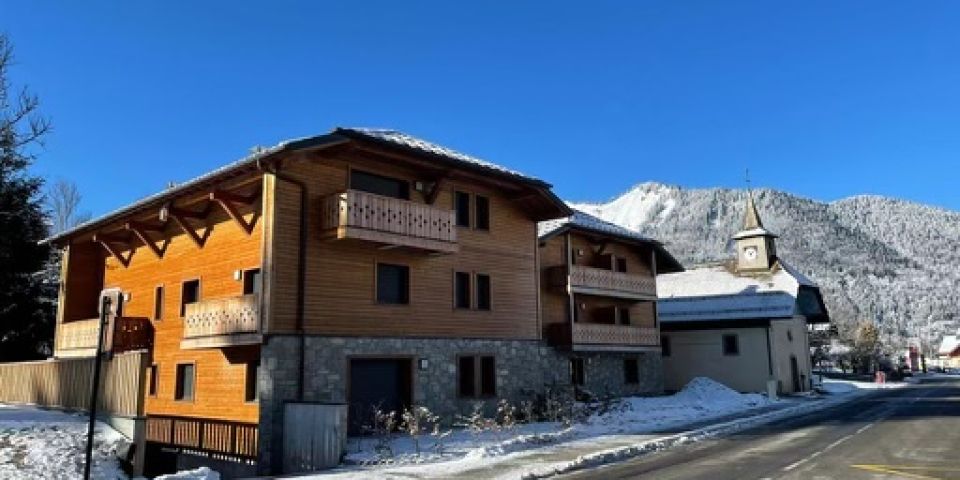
(599, 303)
(360, 266)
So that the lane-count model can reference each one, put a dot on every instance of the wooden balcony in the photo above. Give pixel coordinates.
(389, 221)
(583, 336)
(605, 283)
(222, 322)
(77, 338)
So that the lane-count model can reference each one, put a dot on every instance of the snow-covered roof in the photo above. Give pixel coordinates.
(338, 135)
(949, 346)
(753, 232)
(584, 220)
(717, 292)
(420, 145)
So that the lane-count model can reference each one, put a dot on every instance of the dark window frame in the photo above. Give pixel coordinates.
(403, 297)
(622, 315)
(619, 264)
(153, 380)
(403, 192)
(251, 393)
(183, 290)
(464, 211)
(631, 371)
(578, 371)
(179, 391)
(730, 344)
(481, 217)
(483, 370)
(159, 292)
(483, 294)
(462, 293)
(252, 278)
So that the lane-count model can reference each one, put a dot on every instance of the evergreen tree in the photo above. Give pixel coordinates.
(26, 315)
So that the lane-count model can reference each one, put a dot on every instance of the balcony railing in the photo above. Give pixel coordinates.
(76, 337)
(618, 335)
(222, 322)
(79, 338)
(389, 221)
(608, 283)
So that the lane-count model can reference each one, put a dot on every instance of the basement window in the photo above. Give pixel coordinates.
(477, 376)
(577, 375)
(631, 371)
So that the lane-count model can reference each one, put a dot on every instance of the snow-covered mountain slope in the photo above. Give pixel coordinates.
(874, 257)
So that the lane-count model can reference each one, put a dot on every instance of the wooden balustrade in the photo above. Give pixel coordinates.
(132, 333)
(389, 221)
(619, 335)
(220, 438)
(80, 336)
(222, 322)
(598, 281)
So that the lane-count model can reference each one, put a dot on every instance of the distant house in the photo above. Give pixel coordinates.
(741, 322)
(949, 351)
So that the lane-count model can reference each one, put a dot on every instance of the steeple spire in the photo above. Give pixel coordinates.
(751, 219)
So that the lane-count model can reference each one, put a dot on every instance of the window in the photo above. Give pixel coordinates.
(623, 315)
(251, 281)
(631, 371)
(393, 284)
(190, 293)
(577, 376)
(250, 390)
(483, 291)
(462, 205)
(477, 376)
(731, 345)
(620, 264)
(185, 382)
(461, 287)
(664, 346)
(152, 379)
(379, 185)
(158, 303)
(482, 212)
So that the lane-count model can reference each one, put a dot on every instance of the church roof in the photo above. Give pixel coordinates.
(718, 293)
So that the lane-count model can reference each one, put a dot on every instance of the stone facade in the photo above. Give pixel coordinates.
(604, 373)
(523, 369)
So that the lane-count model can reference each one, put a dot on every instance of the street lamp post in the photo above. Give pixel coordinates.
(94, 389)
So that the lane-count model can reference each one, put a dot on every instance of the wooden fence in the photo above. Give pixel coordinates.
(65, 383)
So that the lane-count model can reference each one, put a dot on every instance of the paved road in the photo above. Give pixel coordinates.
(911, 433)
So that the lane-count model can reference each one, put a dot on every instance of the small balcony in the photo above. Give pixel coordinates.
(388, 221)
(222, 322)
(605, 283)
(79, 338)
(583, 336)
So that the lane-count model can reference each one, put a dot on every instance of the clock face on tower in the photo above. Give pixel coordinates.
(750, 253)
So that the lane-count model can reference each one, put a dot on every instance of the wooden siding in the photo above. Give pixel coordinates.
(341, 274)
(220, 373)
(65, 383)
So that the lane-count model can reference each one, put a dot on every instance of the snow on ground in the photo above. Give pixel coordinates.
(701, 400)
(837, 386)
(49, 444)
(202, 473)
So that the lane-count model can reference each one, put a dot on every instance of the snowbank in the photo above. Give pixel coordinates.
(837, 386)
(202, 473)
(48, 444)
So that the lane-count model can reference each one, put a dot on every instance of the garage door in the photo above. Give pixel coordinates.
(383, 383)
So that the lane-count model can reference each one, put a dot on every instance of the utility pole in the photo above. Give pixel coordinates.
(95, 389)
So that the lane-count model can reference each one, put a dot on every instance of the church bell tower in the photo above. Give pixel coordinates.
(756, 247)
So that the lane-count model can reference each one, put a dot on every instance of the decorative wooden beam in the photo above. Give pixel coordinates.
(140, 230)
(107, 240)
(431, 196)
(227, 200)
(181, 219)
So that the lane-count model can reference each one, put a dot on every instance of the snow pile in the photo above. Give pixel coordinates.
(837, 386)
(46, 444)
(202, 473)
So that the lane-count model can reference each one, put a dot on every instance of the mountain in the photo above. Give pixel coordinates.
(875, 258)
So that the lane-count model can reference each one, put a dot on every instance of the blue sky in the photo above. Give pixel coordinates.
(824, 99)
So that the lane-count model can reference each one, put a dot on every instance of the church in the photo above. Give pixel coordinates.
(742, 322)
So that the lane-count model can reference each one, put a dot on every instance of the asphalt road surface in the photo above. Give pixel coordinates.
(908, 433)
